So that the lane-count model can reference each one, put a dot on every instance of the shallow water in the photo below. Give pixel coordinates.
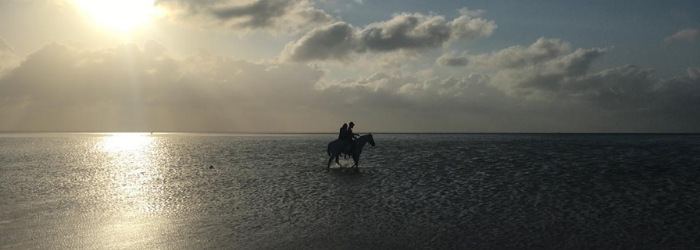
(471, 191)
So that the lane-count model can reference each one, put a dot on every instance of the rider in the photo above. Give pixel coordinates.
(345, 137)
(350, 136)
(343, 131)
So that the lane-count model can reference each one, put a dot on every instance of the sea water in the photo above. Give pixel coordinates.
(412, 191)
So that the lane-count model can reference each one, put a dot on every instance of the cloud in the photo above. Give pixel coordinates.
(287, 16)
(549, 71)
(8, 58)
(694, 73)
(536, 71)
(259, 14)
(397, 88)
(144, 88)
(625, 87)
(686, 35)
(472, 13)
(418, 102)
(336, 41)
(403, 31)
(626, 98)
(541, 51)
(132, 88)
(4, 47)
(453, 59)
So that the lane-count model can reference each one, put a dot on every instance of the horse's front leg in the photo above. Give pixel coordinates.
(357, 161)
(337, 160)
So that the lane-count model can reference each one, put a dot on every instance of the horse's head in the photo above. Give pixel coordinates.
(371, 139)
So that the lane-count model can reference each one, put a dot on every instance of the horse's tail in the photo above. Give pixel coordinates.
(329, 149)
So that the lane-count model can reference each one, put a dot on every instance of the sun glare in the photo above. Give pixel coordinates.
(120, 15)
(126, 142)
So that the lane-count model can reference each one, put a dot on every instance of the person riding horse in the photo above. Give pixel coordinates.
(343, 130)
(348, 138)
(350, 133)
(337, 147)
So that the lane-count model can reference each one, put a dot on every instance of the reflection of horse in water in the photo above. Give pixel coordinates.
(336, 147)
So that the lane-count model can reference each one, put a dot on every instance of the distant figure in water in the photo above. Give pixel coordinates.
(211, 167)
(335, 148)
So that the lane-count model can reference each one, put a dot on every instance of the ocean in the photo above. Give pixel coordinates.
(412, 191)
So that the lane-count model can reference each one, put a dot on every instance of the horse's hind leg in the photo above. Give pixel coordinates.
(337, 160)
(329, 162)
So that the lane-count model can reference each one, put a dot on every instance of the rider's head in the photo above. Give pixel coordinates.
(352, 124)
(345, 125)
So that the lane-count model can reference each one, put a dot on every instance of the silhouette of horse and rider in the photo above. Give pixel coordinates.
(348, 143)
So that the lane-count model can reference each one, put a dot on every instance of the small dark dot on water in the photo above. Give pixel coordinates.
(211, 167)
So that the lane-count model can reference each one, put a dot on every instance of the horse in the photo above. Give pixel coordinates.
(336, 147)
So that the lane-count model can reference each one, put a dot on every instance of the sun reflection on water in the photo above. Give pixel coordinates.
(126, 142)
(133, 189)
(133, 172)
(133, 167)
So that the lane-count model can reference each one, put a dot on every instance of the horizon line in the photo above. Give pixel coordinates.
(282, 133)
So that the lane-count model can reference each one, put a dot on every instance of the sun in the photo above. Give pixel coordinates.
(120, 15)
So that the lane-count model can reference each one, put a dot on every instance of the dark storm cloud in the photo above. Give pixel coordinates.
(404, 31)
(278, 15)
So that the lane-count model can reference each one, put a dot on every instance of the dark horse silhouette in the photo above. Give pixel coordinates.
(336, 147)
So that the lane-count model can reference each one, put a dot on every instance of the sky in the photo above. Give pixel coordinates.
(541, 66)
